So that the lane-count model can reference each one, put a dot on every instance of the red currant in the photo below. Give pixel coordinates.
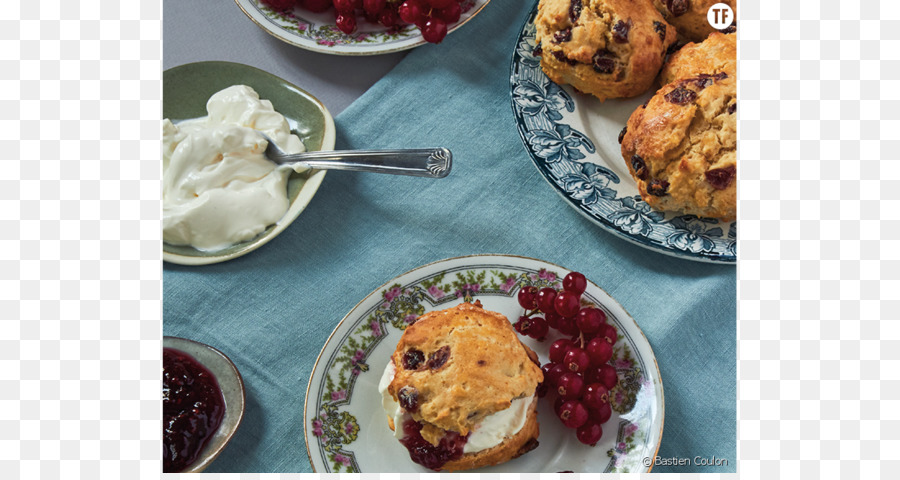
(573, 414)
(546, 297)
(528, 297)
(569, 385)
(280, 4)
(595, 396)
(567, 326)
(411, 11)
(558, 403)
(589, 320)
(599, 351)
(374, 7)
(558, 349)
(576, 360)
(602, 414)
(440, 3)
(567, 303)
(552, 319)
(575, 283)
(551, 377)
(389, 18)
(589, 433)
(434, 30)
(523, 325)
(450, 14)
(609, 333)
(316, 6)
(346, 7)
(608, 376)
(539, 328)
(346, 22)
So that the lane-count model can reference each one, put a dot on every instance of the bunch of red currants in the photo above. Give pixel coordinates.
(430, 16)
(578, 373)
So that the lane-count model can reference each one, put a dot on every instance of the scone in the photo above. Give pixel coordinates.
(689, 16)
(681, 147)
(608, 48)
(718, 53)
(459, 390)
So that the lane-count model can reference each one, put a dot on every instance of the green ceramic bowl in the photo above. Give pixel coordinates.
(186, 89)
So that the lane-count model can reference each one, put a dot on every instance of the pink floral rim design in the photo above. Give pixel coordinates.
(346, 429)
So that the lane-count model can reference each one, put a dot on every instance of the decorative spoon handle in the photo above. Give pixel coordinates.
(421, 162)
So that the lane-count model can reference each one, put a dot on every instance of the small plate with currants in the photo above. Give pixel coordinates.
(360, 27)
(600, 406)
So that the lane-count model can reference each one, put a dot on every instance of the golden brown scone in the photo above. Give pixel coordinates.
(608, 48)
(681, 147)
(689, 16)
(718, 53)
(467, 364)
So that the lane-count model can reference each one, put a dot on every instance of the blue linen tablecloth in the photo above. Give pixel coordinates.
(271, 311)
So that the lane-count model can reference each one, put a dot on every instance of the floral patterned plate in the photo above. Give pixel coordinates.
(346, 429)
(318, 31)
(572, 138)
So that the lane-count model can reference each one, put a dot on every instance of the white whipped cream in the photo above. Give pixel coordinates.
(219, 189)
(490, 432)
(391, 407)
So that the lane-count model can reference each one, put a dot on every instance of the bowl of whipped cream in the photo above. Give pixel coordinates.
(222, 198)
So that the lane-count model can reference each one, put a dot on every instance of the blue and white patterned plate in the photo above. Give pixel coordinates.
(572, 139)
(318, 31)
(346, 429)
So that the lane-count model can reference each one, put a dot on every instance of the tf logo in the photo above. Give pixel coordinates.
(720, 16)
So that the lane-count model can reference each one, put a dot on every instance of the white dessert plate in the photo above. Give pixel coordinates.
(572, 138)
(186, 88)
(319, 33)
(346, 429)
(232, 386)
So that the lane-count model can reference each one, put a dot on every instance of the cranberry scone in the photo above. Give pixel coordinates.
(718, 53)
(681, 147)
(608, 48)
(459, 391)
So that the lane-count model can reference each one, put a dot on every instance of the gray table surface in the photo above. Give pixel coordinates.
(195, 31)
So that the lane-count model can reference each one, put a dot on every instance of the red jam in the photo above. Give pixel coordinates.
(193, 407)
(429, 456)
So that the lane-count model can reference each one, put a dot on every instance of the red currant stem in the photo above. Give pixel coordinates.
(581, 339)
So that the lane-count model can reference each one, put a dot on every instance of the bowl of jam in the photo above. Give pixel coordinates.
(203, 404)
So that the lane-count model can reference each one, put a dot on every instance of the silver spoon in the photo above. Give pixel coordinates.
(417, 162)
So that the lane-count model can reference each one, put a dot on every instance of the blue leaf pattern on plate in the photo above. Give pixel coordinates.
(590, 184)
(635, 216)
(536, 100)
(525, 49)
(560, 144)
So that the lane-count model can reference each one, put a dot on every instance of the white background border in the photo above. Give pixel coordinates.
(80, 261)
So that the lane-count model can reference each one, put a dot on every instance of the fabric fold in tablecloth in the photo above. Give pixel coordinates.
(272, 311)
